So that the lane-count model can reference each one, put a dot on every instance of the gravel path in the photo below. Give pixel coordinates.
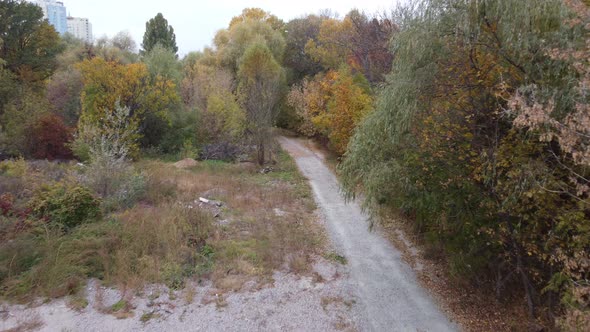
(390, 297)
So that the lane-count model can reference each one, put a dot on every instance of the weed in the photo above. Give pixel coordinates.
(120, 305)
(147, 316)
(78, 303)
(332, 256)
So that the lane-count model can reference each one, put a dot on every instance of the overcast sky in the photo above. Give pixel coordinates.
(195, 22)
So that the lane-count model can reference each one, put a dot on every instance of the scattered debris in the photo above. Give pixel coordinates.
(186, 163)
(266, 170)
(210, 202)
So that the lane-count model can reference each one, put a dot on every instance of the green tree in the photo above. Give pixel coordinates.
(260, 82)
(231, 44)
(157, 31)
(162, 62)
(29, 44)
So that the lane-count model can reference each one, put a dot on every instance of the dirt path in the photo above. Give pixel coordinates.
(391, 299)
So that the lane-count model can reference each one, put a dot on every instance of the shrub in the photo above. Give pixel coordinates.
(66, 206)
(49, 137)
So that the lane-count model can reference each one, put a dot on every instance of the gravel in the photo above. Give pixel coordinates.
(390, 296)
(323, 301)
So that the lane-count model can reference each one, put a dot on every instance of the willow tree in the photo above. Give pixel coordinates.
(448, 143)
(260, 82)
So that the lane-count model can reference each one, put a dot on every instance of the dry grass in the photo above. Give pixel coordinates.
(266, 223)
(249, 238)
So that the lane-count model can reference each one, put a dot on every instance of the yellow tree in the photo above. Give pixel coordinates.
(261, 79)
(106, 83)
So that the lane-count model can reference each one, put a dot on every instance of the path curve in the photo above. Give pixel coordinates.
(391, 299)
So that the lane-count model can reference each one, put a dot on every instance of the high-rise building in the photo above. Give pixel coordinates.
(81, 28)
(55, 12)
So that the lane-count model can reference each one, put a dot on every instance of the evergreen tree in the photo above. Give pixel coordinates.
(157, 31)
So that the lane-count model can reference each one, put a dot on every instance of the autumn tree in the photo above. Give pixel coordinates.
(49, 138)
(29, 44)
(358, 41)
(158, 31)
(299, 32)
(479, 138)
(232, 44)
(148, 99)
(332, 105)
(257, 14)
(260, 78)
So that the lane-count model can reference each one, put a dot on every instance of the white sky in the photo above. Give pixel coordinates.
(196, 22)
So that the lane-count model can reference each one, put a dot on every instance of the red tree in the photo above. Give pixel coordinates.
(49, 137)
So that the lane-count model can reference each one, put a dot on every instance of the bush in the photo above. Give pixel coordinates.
(220, 151)
(66, 206)
(49, 138)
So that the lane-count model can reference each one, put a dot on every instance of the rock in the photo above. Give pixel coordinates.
(186, 163)
(279, 213)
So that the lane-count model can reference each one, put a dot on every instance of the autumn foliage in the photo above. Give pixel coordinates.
(49, 138)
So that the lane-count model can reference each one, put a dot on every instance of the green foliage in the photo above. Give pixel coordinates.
(67, 206)
(260, 80)
(29, 44)
(233, 43)
(442, 148)
(163, 62)
(21, 114)
(157, 31)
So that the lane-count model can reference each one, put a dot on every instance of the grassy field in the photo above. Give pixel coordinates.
(57, 232)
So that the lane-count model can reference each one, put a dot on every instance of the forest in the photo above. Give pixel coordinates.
(469, 118)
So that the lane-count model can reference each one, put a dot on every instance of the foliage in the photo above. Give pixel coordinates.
(356, 40)
(20, 115)
(29, 44)
(149, 100)
(66, 206)
(49, 138)
(299, 32)
(232, 44)
(63, 93)
(157, 31)
(260, 79)
(331, 105)
(459, 141)
(257, 14)
(162, 62)
(120, 49)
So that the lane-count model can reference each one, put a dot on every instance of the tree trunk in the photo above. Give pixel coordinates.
(260, 154)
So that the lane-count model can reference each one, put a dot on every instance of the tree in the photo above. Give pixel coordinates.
(358, 41)
(157, 31)
(480, 138)
(231, 44)
(164, 63)
(299, 32)
(29, 44)
(260, 79)
(331, 105)
(257, 14)
(49, 138)
(63, 93)
(149, 100)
